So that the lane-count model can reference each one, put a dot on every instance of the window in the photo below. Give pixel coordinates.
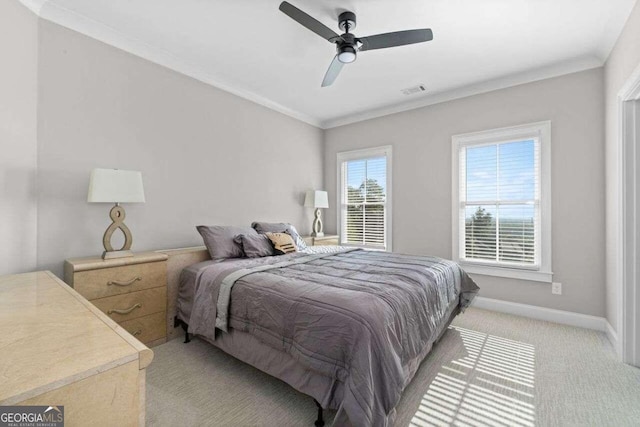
(364, 180)
(501, 197)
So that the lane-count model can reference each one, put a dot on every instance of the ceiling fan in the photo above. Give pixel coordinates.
(347, 44)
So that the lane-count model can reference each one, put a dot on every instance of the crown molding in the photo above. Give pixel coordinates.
(618, 17)
(34, 5)
(52, 12)
(554, 70)
(74, 21)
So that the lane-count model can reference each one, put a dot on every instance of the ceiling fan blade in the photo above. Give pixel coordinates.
(308, 21)
(332, 72)
(399, 38)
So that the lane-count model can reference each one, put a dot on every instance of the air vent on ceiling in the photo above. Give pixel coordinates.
(414, 89)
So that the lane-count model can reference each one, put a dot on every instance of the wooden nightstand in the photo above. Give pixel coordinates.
(132, 291)
(326, 240)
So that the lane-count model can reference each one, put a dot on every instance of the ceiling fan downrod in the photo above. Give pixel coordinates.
(347, 48)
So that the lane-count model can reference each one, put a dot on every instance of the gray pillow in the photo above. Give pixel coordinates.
(219, 240)
(280, 227)
(255, 245)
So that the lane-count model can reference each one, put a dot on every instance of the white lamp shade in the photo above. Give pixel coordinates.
(115, 186)
(316, 199)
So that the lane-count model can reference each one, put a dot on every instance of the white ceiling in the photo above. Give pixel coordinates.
(250, 48)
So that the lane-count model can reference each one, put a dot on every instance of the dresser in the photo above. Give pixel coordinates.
(57, 349)
(132, 291)
(327, 240)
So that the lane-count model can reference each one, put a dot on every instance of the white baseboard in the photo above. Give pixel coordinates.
(613, 338)
(548, 314)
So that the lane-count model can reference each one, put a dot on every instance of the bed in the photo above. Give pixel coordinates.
(346, 326)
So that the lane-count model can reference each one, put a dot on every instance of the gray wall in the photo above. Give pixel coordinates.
(18, 138)
(623, 60)
(210, 157)
(421, 142)
(207, 157)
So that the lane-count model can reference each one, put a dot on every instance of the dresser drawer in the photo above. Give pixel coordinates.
(148, 328)
(133, 304)
(104, 282)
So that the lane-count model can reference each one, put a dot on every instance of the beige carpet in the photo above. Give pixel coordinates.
(490, 369)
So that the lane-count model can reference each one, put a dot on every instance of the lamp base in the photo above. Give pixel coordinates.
(116, 254)
(317, 224)
(117, 215)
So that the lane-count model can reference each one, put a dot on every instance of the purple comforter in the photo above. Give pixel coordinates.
(365, 318)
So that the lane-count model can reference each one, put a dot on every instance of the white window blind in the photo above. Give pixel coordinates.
(502, 202)
(364, 198)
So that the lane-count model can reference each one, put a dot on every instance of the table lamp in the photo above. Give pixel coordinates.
(319, 200)
(116, 186)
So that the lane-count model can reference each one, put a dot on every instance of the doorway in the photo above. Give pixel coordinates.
(629, 294)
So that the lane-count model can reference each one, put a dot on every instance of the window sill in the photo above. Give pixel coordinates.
(512, 273)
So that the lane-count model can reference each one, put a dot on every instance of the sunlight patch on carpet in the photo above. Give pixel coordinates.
(492, 385)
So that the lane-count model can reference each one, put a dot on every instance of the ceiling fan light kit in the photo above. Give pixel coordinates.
(347, 44)
(347, 54)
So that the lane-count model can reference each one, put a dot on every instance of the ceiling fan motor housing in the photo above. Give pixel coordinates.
(347, 48)
(347, 21)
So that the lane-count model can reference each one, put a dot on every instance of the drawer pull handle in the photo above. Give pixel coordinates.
(125, 311)
(126, 283)
(136, 333)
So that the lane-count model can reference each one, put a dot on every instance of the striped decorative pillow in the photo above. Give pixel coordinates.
(282, 243)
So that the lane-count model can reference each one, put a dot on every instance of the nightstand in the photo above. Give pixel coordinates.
(132, 291)
(326, 240)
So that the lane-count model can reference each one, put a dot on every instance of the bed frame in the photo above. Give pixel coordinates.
(184, 257)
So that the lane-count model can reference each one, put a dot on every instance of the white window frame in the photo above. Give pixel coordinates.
(367, 153)
(542, 132)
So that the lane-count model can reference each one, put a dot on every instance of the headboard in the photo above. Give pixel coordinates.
(179, 259)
